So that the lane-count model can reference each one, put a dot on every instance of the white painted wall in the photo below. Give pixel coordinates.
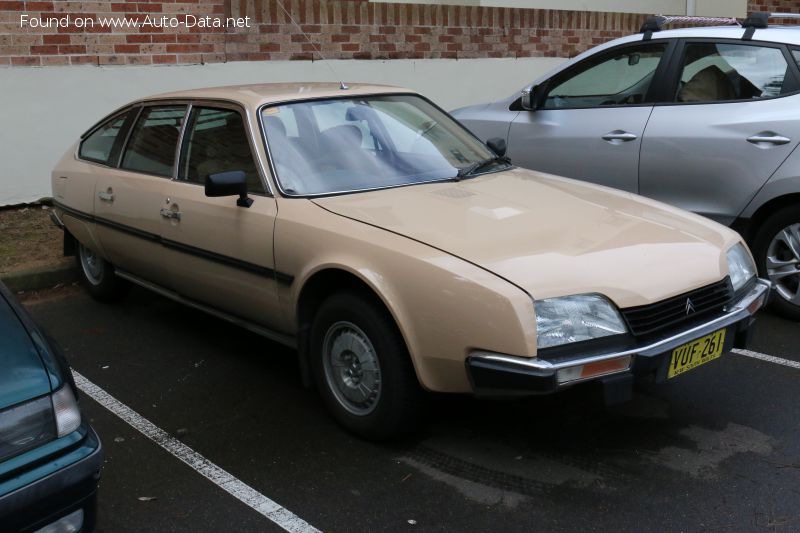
(44, 110)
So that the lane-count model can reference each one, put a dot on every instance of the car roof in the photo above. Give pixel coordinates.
(269, 93)
(775, 34)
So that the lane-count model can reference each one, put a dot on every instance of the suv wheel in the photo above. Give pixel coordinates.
(98, 276)
(362, 368)
(777, 250)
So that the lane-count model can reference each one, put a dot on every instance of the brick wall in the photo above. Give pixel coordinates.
(344, 29)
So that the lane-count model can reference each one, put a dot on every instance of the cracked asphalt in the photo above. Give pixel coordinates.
(718, 448)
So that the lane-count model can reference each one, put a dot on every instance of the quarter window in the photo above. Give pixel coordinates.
(154, 139)
(99, 145)
(618, 77)
(719, 72)
(217, 142)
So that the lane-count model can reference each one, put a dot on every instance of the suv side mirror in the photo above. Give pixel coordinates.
(528, 99)
(497, 145)
(231, 183)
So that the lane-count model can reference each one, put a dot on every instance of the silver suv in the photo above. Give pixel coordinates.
(704, 118)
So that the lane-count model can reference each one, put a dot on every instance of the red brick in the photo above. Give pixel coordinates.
(72, 49)
(38, 6)
(126, 48)
(138, 38)
(55, 39)
(13, 6)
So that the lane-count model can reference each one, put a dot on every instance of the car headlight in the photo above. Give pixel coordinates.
(576, 318)
(741, 267)
(26, 426)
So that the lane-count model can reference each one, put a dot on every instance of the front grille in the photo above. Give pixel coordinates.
(647, 319)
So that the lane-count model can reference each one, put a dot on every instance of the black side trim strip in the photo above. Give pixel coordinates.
(280, 277)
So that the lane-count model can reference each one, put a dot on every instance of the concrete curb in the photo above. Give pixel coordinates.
(40, 278)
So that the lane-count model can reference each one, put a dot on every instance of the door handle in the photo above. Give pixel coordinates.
(169, 213)
(106, 196)
(766, 138)
(619, 136)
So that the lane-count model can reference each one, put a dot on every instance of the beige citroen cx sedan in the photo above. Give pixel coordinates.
(397, 252)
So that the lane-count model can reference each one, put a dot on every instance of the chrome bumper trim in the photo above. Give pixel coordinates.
(744, 308)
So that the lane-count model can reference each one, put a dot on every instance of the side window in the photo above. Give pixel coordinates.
(217, 142)
(153, 141)
(99, 145)
(719, 72)
(617, 77)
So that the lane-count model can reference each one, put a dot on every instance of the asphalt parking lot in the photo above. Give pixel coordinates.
(718, 448)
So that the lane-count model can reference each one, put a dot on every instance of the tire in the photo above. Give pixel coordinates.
(97, 275)
(362, 368)
(771, 241)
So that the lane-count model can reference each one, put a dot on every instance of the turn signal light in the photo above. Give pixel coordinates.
(593, 370)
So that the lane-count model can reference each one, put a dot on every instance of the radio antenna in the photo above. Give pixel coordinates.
(342, 84)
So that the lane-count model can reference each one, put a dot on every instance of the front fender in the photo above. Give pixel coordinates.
(443, 306)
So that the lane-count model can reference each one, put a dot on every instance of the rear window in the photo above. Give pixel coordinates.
(154, 139)
(99, 145)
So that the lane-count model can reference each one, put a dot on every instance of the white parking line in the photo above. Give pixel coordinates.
(768, 358)
(223, 479)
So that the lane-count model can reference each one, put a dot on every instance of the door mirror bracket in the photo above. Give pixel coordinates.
(230, 183)
(497, 145)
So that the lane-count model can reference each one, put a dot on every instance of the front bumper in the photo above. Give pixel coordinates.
(58, 487)
(493, 374)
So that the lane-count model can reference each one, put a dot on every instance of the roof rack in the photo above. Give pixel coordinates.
(754, 21)
(657, 23)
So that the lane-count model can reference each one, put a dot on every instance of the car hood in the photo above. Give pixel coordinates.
(553, 236)
(22, 372)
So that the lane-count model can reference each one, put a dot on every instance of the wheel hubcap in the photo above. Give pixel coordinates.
(352, 370)
(783, 263)
(92, 265)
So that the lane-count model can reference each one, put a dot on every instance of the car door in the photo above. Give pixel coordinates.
(218, 253)
(128, 198)
(590, 118)
(729, 126)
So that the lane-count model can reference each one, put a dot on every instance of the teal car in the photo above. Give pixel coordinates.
(50, 458)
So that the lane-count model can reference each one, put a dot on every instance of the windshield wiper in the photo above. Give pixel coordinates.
(477, 166)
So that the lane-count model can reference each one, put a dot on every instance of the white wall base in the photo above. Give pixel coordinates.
(44, 110)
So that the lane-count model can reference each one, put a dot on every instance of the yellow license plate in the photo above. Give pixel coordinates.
(693, 354)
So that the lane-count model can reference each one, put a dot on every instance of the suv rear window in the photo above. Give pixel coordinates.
(154, 139)
(719, 72)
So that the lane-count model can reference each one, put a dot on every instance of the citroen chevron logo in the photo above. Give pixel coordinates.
(689, 306)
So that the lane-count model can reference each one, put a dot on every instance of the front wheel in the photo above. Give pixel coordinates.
(98, 276)
(362, 368)
(777, 251)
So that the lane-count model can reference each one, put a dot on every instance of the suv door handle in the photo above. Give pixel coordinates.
(169, 213)
(768, 139)
(106, 196)
(619, 136)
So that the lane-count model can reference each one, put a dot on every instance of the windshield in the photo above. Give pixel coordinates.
(368, 142)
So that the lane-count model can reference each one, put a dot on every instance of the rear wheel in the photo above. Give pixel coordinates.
(362, 368)
(98, 276)
(777, 250)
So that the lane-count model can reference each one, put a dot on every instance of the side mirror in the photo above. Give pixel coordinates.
(497, 145)
(231, 183)
(528, 100)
